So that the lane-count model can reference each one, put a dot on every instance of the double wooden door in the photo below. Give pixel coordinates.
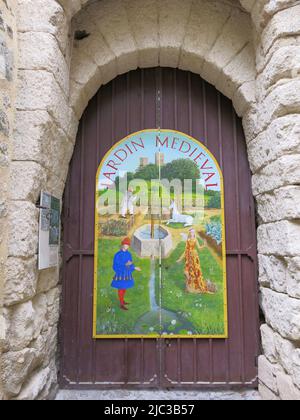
(147, 99)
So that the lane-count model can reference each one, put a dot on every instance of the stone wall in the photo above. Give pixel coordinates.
(273, 136)
(41, 150)
(7, 97)
(249, 49)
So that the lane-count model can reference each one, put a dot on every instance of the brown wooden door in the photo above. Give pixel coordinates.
(177, 100)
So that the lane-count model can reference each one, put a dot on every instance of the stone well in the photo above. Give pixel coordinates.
(146, 246)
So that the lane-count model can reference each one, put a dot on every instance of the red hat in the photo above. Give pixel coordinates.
(126, 241)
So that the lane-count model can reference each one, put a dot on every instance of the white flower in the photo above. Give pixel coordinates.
(190, 333)
(174, 322)
(151, 329)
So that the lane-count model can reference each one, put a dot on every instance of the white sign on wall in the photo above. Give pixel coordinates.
(49, 231)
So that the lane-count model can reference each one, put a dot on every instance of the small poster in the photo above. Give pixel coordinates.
(49, 232)
(160, 249)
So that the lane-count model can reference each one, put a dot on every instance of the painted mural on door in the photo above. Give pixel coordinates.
(160, 249)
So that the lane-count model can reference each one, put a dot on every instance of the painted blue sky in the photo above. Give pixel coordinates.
(172, 152)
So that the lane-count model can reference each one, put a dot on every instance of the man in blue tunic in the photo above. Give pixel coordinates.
(123, 267)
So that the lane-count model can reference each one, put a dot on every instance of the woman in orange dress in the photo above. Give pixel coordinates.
(195, 282)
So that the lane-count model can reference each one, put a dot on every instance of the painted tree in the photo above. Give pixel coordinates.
(181, 169)
(148, 172)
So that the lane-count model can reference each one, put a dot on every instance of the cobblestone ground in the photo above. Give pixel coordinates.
(157, 395)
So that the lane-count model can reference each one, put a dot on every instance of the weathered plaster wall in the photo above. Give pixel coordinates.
(249, 49)
(7, 95)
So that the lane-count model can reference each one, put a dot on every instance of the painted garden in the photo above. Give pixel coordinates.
(160, 271)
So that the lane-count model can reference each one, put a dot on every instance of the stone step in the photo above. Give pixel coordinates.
(243, 395)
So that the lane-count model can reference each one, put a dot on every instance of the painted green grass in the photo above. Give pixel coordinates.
(205, 312)
(110, 318)
(174, 225)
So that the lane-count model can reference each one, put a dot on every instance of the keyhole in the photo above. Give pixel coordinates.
(168, 343)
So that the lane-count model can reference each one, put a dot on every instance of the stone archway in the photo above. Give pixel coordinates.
(127, 35)
(249, 51)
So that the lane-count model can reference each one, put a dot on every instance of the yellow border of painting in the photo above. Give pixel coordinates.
(156, 336)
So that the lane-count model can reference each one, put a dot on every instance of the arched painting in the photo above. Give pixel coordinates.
(160, 249)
